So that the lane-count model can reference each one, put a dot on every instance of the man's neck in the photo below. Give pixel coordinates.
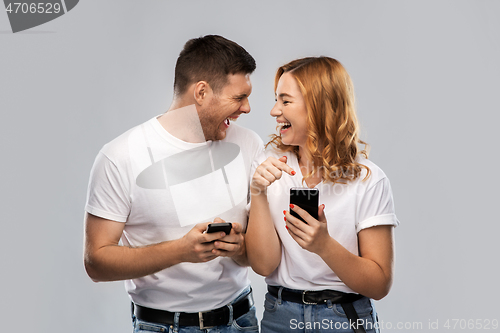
(183, 122)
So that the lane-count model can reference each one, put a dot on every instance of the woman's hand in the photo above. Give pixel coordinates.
(370, 273)
(311, 236)
(268, 172)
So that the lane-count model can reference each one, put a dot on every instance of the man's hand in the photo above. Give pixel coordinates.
(198, 246)
(232, 245)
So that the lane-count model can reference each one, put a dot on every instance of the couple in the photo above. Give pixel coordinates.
(154, 190)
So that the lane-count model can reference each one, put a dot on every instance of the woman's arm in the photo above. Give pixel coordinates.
(370, 273)
(262, 242)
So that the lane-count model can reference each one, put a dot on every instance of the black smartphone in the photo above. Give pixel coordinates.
(307, 199)
(218, 227)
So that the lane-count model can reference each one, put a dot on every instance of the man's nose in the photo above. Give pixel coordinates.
(245, 106)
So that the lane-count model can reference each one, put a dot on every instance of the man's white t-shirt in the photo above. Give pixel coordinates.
(160, 187)
(349, 208)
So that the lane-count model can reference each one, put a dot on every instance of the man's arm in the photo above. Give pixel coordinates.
(105, 260)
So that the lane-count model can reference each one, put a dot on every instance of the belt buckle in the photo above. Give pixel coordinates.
(304, 301)
(202, 326)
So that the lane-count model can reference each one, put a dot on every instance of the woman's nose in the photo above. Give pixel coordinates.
(275, 111)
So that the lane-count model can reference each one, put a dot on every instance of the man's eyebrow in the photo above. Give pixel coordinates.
(241, 96)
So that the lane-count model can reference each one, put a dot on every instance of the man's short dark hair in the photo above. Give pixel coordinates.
(210, 58)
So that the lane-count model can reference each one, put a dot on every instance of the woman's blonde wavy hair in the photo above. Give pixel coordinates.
(332, 125)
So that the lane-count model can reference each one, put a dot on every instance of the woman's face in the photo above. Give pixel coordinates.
(290, 111)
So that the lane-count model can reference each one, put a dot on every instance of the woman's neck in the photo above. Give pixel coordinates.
(306, 167)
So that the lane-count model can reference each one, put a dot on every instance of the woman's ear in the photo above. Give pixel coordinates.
(201, 91)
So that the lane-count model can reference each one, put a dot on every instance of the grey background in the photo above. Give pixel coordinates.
(426, 78)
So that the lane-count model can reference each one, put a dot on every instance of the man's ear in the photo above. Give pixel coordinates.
(201, 91)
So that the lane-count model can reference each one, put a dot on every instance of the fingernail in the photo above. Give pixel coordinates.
(285, 218)
(286, 227)
(291, 206)
(323, 206)
(293, 173)
(284, 212)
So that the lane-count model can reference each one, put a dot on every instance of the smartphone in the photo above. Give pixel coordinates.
(218, 227)
(307, 199)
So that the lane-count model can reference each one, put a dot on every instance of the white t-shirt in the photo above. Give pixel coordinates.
(349, 208)
(160, 187)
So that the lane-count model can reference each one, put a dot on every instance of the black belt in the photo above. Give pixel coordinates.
(207, 319)
(322, 296)
(314, 297)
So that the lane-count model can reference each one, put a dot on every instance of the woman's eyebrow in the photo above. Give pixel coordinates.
(285, 95)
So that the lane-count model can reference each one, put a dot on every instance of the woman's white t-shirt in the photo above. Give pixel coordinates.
(349, 208)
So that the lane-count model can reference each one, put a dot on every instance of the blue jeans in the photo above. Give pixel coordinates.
(282, 316)
(246, 323)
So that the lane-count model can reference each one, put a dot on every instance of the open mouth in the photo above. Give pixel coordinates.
(228, 120)
(283, 126)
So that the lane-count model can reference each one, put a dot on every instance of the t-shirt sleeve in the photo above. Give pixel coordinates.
(376, 207)
(258, 152)
(259, 158)
(107, 195)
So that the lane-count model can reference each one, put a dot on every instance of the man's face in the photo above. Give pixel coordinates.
(225, 106)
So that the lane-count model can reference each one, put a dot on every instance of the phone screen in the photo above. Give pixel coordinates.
(217, 227)
(307, 199)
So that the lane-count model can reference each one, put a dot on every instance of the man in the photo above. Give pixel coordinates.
(154, 190)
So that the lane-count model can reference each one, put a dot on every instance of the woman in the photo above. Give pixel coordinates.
(321, 274)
